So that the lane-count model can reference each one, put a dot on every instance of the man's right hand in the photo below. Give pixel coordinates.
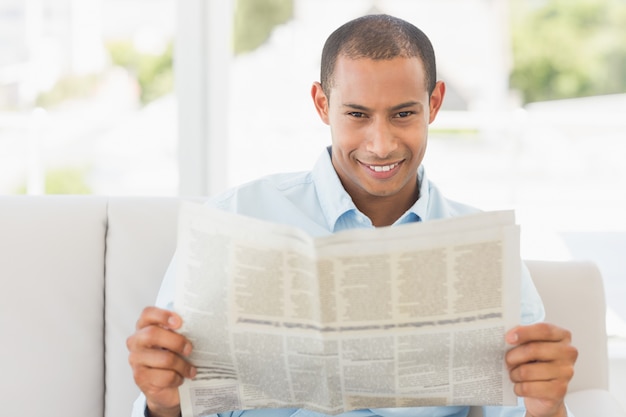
(157, 355)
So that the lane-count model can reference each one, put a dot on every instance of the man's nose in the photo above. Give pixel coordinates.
(381, 140)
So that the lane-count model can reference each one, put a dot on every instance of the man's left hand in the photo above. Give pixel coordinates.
(541, 364)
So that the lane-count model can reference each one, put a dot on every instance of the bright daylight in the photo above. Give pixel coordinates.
(113, 112)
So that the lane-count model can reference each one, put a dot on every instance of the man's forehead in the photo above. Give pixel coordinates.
(351, 67)
(365, 76)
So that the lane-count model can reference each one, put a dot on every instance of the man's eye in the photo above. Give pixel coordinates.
(403, 114)
(357, 114)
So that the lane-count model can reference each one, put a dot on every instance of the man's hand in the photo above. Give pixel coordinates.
(541, 364)
(156, 354)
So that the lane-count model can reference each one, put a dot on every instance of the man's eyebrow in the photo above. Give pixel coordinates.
(406, 104)
(355, 106)
(397, 107)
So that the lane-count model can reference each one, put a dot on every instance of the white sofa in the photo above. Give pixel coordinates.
(76, 272)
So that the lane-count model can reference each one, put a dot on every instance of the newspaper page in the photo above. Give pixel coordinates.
(403, 316)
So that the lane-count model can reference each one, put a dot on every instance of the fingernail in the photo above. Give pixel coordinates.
(187, 349)
(512, 338)
(193, 372)
(172, 321)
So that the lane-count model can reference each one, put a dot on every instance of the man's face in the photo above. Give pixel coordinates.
(378, 112)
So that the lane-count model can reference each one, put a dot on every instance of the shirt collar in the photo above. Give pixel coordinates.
(336, 203)
(334, 199)
(420, 208)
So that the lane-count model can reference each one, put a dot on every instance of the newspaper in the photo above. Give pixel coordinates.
(403, 316)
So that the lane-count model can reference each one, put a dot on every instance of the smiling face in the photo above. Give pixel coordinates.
(378, 112)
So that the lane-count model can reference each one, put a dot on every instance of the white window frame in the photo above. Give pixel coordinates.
(202, 59)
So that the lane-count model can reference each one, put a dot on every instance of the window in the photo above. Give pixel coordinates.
(87, 102)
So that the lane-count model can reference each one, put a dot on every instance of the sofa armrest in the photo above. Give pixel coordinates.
(593, 403)
(51, 305)
(573, 296)
(584, 403)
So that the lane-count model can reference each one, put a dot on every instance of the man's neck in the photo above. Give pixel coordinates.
(384, 211)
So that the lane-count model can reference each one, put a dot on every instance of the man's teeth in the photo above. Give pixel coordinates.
(383, 168)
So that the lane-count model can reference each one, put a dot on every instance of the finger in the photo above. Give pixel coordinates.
(558, 352)
(158, 379)
(148, 361)
(160, 386)
(540, 371)
(537, 332)
(531, 352)
(154, 316)
(155, 337)
(548, 390)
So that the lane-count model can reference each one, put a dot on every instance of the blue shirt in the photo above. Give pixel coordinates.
(316, 202)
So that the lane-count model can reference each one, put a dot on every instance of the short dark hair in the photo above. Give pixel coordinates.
(377, 37)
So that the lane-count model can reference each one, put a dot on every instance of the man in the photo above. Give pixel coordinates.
(378, 93)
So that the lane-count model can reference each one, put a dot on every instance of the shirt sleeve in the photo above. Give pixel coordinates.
(532, 310)
(139, 407)
(165, 297)
(515, 411)
(518, 411)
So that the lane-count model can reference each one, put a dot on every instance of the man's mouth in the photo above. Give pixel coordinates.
(383, 168)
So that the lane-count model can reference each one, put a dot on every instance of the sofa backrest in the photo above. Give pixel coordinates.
(140, 242)
(76, 272)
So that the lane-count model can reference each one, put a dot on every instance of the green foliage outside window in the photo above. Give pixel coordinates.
(568, 48)
(68, 180)
(154, 73)
(255, 19)
(68, 87)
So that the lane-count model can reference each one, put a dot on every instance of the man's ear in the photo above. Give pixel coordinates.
(320, 101)
(436, 100)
